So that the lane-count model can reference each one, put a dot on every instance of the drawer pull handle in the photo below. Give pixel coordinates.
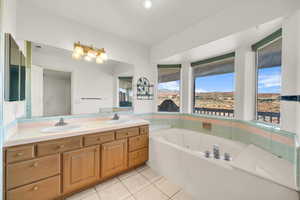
(61, 146)
(35, 188)
(35, 164)
(20, 154)
(98, 139)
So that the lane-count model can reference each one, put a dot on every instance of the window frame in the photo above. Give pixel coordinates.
(277, 35)
(207, 61)
(170, 66)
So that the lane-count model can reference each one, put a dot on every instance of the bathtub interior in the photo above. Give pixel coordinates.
(200, 142)
(248, 158)
(230, 132)
(264, 164)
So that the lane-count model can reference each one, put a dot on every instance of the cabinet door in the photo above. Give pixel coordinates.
(114, 156)
(81, 168)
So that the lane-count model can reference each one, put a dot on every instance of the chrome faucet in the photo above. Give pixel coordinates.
(116, 117)
(61, 122)
(216, 151)
(227, 157)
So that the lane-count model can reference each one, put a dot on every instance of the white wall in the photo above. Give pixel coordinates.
(37, 90)
(290, 111)
(37, 25)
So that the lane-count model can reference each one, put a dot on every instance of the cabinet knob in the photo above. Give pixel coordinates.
(35, 188)
(35, 164)
(20, 154)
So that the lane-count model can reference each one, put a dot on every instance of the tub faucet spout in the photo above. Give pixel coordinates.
(216, 151)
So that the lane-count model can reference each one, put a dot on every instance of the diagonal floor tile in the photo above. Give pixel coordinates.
(106, 184)
(135, 183)
(167, 187)
(83, 194)
(128, 174)
(116, 191)
(151, 175)
(182, 196)
(142, 168)
(150, 193)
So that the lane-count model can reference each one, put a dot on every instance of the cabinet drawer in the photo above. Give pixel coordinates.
(57, 146)
(138, 157)
(33, 170)
(138, 142)
(144, 130)
(48, 189)
(99, 138)
(129, 132)
(15, 154)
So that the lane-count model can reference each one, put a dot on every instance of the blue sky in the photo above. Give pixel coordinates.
(269, 81)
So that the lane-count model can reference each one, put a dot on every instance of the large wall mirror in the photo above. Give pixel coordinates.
(15, 71)
(61, 85)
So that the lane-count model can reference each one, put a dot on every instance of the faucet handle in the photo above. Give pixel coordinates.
(227, 157)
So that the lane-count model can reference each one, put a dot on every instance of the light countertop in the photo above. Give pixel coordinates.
(31, 134)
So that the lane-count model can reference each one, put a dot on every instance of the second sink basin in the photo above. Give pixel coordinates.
(120, 121)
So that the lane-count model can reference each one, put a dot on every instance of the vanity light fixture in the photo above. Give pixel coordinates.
(89, 53)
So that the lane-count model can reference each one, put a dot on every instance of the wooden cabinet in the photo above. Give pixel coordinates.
(99, 138)
(138, 142)
(138, 157)
(80, 168)
(128, 132)
(54, 169)
(32, 170)
(14, 154)
(48, 189)
(114, 156)
(57, 146)
(144, 130)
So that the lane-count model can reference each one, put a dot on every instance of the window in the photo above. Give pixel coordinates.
(268, 85)
(214, 86)
(168, 96)
(125, 91)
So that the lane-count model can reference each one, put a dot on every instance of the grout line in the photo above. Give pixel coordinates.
(131, 194)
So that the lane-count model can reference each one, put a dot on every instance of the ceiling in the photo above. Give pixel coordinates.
(130, 20)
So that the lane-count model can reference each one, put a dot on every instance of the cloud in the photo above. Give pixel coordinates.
(173, 85)
(268, 81)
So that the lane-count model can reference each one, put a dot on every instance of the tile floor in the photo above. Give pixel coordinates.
(142, 183)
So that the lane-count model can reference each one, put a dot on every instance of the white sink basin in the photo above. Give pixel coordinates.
(54, 129)
(120, 121)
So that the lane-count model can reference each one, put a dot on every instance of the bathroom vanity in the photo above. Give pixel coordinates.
(57, 168)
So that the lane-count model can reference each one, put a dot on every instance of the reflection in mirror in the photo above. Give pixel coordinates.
(125, 91)
(61, 85)
(15, 71)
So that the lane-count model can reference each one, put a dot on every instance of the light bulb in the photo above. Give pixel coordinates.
(104, 56)
(147, 4)
(76, 56)
(99, 60)
(91, 53)
(88, 58)
(78, 50)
